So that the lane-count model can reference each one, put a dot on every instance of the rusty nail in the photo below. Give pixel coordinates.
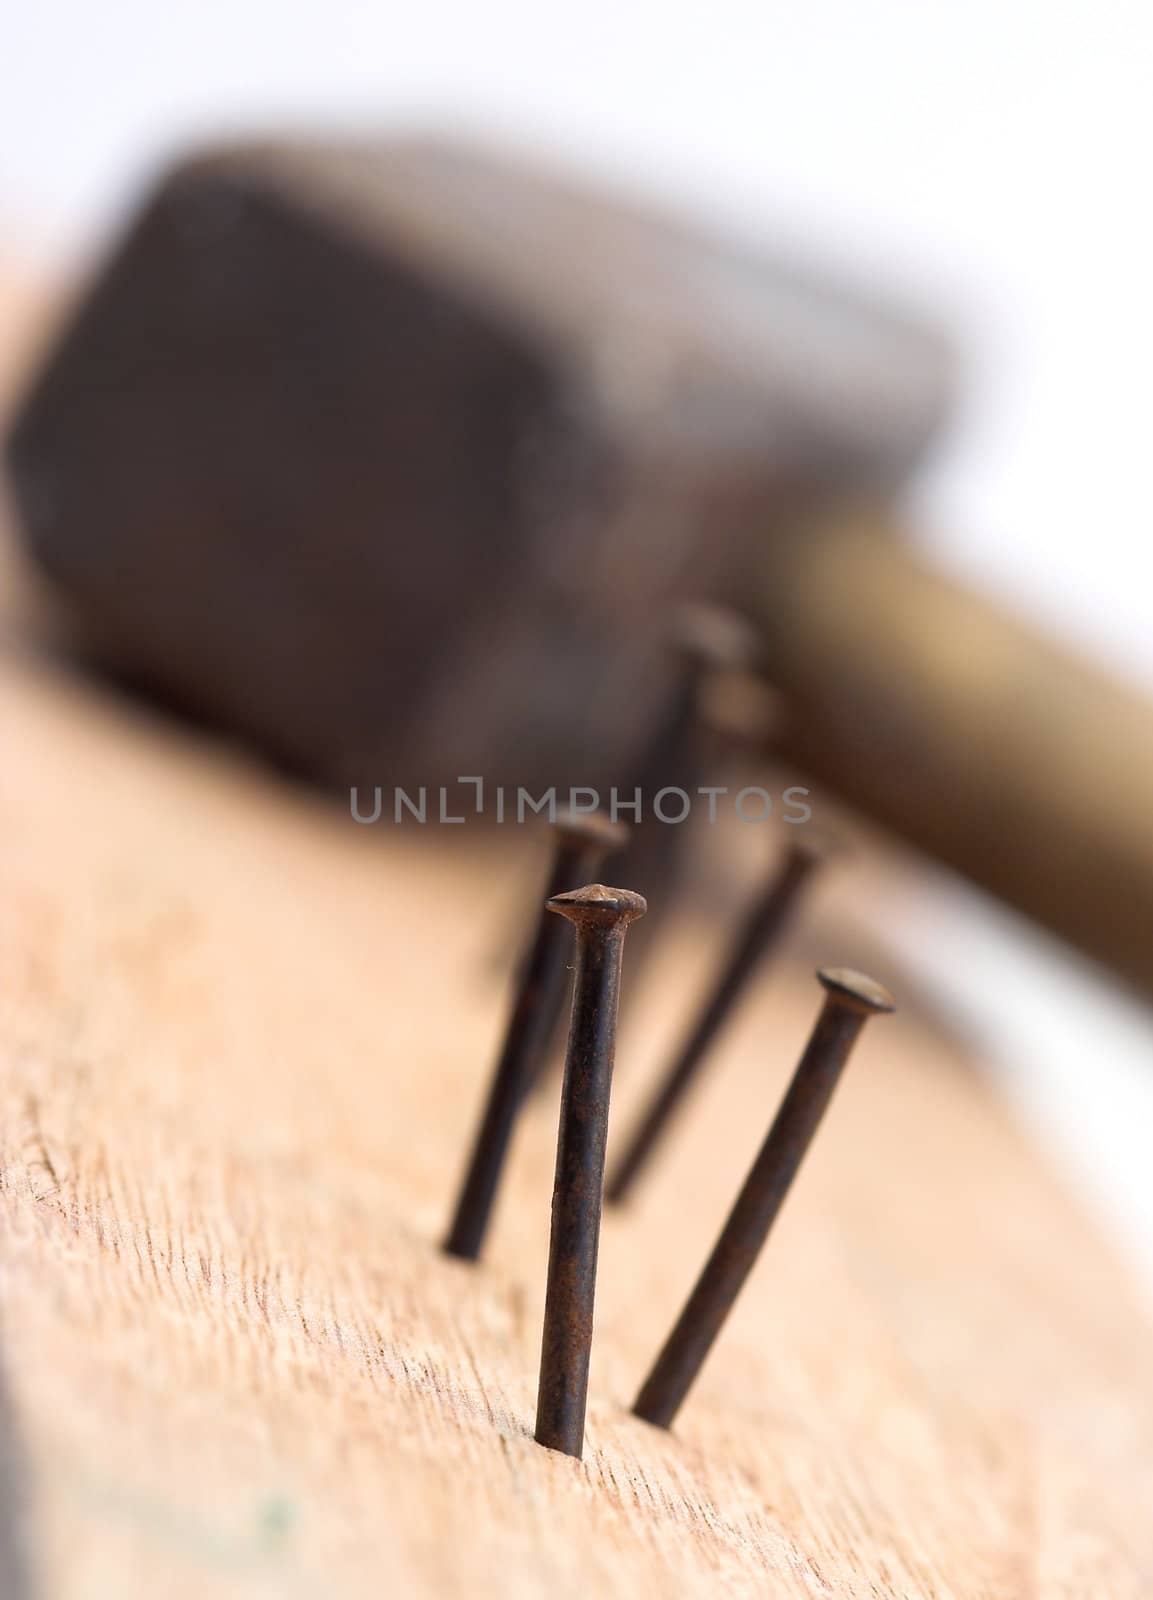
(706, 642)
(600, 918)
(583, 839)
(850, 999)
(762, 928)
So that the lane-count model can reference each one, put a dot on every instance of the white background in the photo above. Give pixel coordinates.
(992, 159)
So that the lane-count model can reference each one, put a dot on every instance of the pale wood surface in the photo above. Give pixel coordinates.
(242, 1044)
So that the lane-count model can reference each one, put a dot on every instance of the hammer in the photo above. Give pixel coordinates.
(393, 457)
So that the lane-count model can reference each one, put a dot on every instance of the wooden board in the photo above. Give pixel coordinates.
(242, 1046)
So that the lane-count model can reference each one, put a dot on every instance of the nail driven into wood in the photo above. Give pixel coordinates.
(600, 917)
(764, 925)
(706, 643)
(583, 840)
(709, 641)
(850, 999)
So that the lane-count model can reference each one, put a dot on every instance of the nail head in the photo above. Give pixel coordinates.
(594, 828)
(864, 993)
(598, 903)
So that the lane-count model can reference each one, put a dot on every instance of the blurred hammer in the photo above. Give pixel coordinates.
(393, 457)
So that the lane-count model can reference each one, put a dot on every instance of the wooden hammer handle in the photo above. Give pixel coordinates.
(971, 736)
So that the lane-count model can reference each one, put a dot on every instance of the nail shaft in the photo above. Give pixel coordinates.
(582, 842)
(706, 642)
(849, 1001)
(601, 917)
(762, 929)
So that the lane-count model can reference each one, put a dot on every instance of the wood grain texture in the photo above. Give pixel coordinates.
(242, 1046)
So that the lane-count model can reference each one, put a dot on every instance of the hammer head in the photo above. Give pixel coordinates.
(393, 457)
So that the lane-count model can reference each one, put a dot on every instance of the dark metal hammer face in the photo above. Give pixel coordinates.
(391, 457)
